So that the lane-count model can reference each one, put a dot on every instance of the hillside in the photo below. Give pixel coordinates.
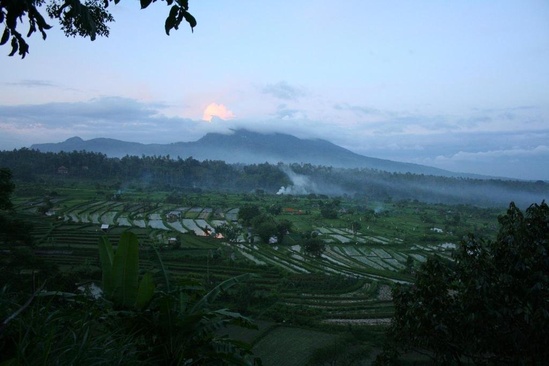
(246, 147)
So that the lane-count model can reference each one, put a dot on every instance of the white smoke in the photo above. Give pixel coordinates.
(302, 184)
(379, 208)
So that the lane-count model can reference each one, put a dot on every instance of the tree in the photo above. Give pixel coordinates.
(265, 230)
(84, 19)
(229, 232)
(283, 227)
(314, 247)
(247, 213)
(355, 227)
(6, 189)
(274, 209)
(11, 229)
(328, 212)
(488, 305)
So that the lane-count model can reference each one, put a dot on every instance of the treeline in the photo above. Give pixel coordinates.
(382, 185)
(165, 173)
(160, 171)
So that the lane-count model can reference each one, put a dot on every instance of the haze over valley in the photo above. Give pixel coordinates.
(274, 163)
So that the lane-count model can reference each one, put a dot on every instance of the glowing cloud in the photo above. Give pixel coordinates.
(217, 110)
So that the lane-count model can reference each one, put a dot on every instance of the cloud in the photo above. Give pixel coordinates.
(283, 90)
(358, 110)
(540, 150)
(449, 144)
(30, 83)
(217, 110)
(114, 117)
(436, 140)
(285, 113)
(96, 112)
(518, 162)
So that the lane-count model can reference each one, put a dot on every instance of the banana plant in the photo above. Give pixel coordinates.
(120, 277)
(177, 321)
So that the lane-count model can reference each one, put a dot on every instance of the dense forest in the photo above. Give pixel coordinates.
(167, 173)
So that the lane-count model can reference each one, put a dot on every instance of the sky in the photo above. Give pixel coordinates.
(458, 85)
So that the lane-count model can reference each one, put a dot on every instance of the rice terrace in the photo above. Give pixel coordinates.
(340, 297)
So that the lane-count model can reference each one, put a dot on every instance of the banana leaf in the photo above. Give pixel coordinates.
(125, 271)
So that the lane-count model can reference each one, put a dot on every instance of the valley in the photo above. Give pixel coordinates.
(370, 245)
(312, 252)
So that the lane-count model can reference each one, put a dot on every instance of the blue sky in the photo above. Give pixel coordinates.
(460, 85)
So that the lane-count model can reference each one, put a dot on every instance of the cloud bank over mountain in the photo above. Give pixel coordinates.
(437, 141)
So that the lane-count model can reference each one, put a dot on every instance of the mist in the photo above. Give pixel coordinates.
(304, 185)
(431, 189)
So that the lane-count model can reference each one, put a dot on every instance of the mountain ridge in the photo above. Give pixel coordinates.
(247, 147)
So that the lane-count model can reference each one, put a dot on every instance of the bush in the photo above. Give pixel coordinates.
(488, 305)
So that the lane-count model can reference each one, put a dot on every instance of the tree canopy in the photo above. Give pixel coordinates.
(88, 19)
(489, 305)
(6, 188)
(314, 247)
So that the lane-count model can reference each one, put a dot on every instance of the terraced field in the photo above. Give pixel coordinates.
(306, 306)
(366, 261)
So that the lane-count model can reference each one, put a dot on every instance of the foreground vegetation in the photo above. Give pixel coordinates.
(489, 305)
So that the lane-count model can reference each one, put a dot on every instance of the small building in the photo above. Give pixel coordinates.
(173, 243)
(62, 170)
(104, 227)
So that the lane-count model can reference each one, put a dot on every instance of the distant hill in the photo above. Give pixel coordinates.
(247, 147)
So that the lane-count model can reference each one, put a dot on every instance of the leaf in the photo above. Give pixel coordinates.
(171, 19)
(145, 291)
(237, 318)
(106, 256)
(190, 19)
(145, 3)
(167, 316)
(125, 270)
(184, 4)
(23, 47)
(5, 37)
(14, 47)
(217, 290)
(32, 29)
(165, 273)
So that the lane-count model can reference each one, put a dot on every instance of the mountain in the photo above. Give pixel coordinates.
(246, 147)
